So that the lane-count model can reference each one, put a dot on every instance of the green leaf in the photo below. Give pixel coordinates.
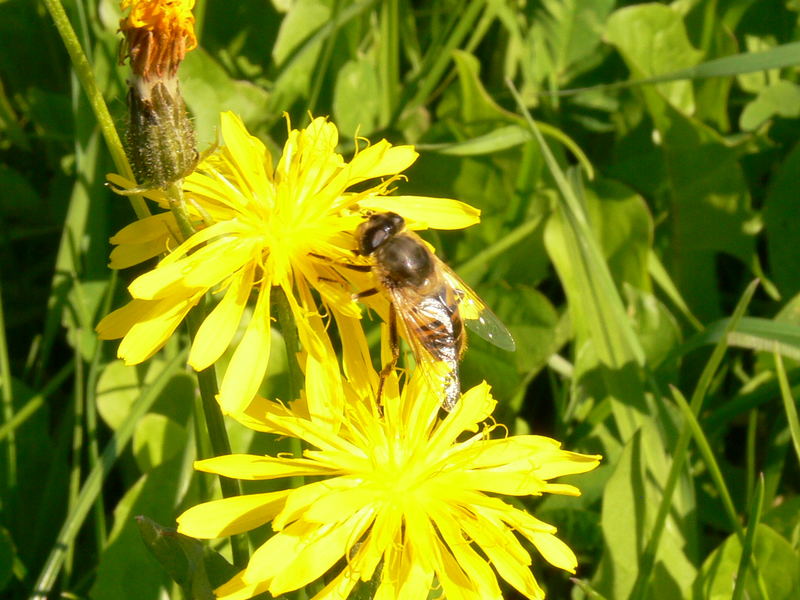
(780, 99)
(632, 495)
(209, 90)
(570, 31)
(653, 41)
(754, 333)
(157, 439)
(356, 99)
(656, 327)
(782, 224)
(779, 562)
(624, 228)
(118, 387)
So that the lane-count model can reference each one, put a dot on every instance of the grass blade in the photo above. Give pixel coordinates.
(757, 502)
(788, 403)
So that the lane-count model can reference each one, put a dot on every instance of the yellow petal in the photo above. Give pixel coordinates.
(554, 551)
(356, 360)
(251, 467)
(567, 463)
(247, 152)
(238, 589)
(147, 336)
(475, 406)
(340, 587)
(480, 573)
(219, 327)
(498, 481)
(318, 552)
(202, 269)
(404, 576)
(119, 322)
(423, 212)
(121, 183)
(128, 255)
(147, 229)
(377, 160)
(303, 498)
(505, 553)
(231, 516)
(249, 363)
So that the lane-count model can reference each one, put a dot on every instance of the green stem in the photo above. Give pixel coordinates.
(83, 69)
(389, 57)
(292, 343)
(207, 381)
(10, 479)
(322, 64)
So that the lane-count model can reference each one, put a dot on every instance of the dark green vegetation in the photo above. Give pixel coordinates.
(623, 269)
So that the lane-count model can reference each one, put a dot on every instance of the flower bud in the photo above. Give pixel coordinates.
(160, 139)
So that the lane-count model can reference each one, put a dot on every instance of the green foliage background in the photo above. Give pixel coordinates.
(621, 264)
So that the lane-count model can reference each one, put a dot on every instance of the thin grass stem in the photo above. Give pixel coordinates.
(788, 403)
(85, 74)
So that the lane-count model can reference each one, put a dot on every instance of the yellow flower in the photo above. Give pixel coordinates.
(259, 227)
(404, 497)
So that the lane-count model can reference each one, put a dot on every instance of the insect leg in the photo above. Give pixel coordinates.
(394, 346)
(361, 268)
(365, 293)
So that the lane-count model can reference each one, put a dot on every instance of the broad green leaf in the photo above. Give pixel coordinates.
(624, 228)
(297, 28)
(118, 387)
(780, 99)
(157, 439)
(594, 302)
(656, 328)
(208, 90)
(571, 31)
(653, 41)
(783, 518)
(630, 502)
(779, 567)
(532, 320)
(356, 99)
(782, 225)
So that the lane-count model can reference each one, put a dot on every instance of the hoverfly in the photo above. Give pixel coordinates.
(428, 301)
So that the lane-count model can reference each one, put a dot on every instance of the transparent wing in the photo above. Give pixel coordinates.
(477, 316)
